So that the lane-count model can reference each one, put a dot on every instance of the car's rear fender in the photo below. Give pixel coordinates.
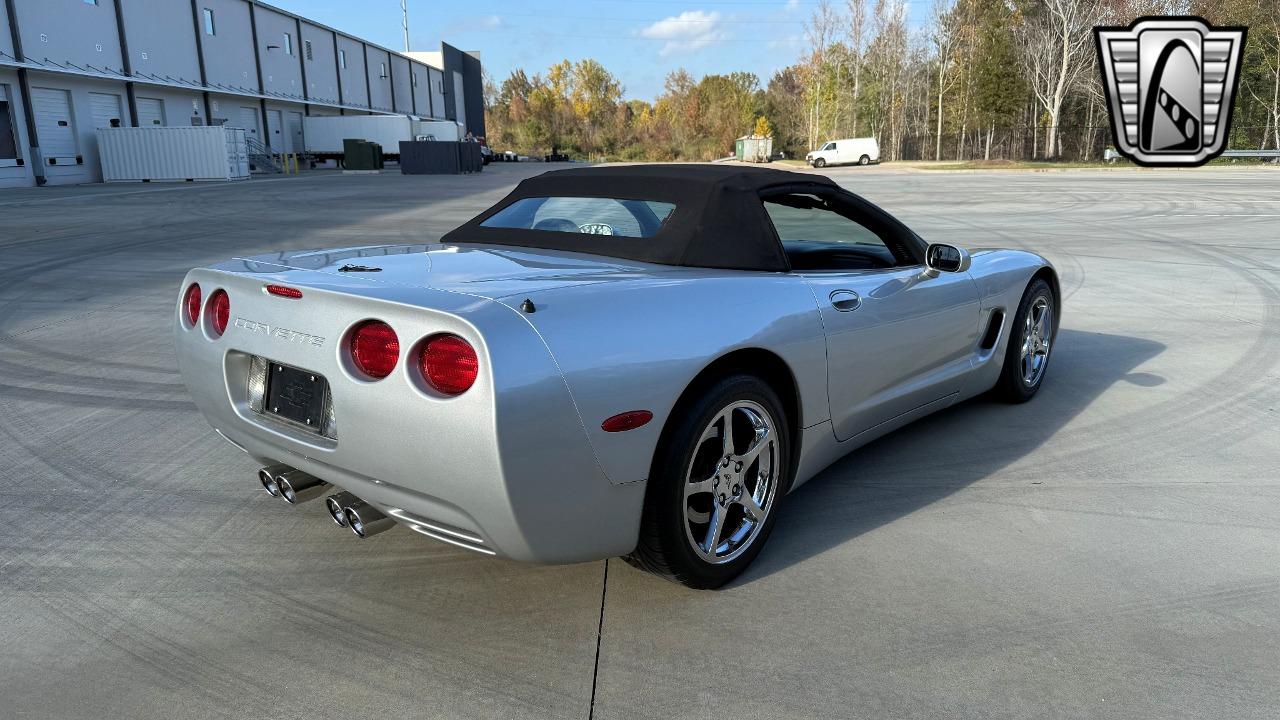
(637, 344)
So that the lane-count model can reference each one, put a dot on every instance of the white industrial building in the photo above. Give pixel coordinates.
(69, 67)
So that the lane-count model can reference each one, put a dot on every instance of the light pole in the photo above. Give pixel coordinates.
(404, 14)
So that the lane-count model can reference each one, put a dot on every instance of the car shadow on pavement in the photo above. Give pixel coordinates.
(939, 455)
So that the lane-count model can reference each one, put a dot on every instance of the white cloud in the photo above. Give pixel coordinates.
(491, 21)
(689, 31)
(786, 42)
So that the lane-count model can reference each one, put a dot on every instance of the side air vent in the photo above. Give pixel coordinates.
(992, 335)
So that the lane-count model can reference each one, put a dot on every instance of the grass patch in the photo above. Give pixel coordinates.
(1020, 165)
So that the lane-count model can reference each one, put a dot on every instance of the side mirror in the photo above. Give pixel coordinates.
(940, 257)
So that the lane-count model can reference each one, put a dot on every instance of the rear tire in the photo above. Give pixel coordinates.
(864, 160)
(820, 163)
(711, 504)
(1031, 338)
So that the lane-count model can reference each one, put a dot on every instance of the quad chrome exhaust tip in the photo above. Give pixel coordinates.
(337, 506)
(365, 520)
(349, 511)
(267, 476)
(346, 509)
(298, 487)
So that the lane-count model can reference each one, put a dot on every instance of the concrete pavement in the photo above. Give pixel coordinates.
(1107, 550)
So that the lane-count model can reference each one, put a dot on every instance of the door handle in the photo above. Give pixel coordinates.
(845, 300)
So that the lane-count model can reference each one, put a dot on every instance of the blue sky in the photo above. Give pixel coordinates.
(640, 41)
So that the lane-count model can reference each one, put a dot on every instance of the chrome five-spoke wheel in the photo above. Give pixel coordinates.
(731, 481)
(1031, 333)
(1037, 333)
(719, 472)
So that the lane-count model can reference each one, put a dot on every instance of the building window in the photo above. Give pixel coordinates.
(306, 48)
(288, 44)
(382, 70)
(90, 2)
(414, 77)
(208, 22)
(342, 59)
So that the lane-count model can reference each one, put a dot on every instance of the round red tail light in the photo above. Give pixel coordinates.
(375, 349)
(191, 303)
(219, 311)
(449, 363)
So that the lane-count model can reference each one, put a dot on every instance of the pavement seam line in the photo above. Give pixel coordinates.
(595, 670)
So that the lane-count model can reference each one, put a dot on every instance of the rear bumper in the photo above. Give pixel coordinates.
(504, 468)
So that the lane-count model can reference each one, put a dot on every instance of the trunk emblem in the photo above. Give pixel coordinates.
(279, 333)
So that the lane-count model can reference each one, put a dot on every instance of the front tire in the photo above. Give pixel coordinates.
(717, 477)
(820, 163)
(1032, 336)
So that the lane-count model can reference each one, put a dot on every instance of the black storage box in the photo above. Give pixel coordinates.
(439, 157)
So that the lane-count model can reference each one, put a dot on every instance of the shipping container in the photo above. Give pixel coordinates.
(173, 153)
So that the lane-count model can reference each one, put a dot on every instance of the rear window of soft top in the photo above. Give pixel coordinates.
(624, 217)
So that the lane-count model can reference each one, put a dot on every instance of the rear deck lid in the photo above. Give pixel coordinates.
(487, 271)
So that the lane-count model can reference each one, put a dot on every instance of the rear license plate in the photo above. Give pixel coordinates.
(296, 395)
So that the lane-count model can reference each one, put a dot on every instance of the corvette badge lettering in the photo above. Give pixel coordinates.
(279, 333)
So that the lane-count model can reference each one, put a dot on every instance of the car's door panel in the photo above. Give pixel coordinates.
(898, 337)
(907, 340)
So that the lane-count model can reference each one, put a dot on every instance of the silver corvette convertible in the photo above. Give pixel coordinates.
(638, 361)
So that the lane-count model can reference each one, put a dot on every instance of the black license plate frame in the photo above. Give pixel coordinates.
(297, 396)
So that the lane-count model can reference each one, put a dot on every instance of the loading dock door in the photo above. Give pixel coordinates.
(295, 132)
(150, 112)
(275, 138)
(106, 110)
(54, 125)
(8, 136)
(249, 121)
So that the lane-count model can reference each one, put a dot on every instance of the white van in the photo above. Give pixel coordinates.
(862, 151)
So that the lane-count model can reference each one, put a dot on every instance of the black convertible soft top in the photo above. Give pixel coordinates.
(718, 222)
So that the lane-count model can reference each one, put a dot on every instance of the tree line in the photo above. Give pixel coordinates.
(980, 79)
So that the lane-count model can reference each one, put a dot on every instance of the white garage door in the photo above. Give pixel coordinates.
(275, 140)
(295, 132)
(54, 126)
(106, 110)
(249, 121)
(150, 112)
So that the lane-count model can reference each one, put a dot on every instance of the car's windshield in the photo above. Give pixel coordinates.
(591, 215)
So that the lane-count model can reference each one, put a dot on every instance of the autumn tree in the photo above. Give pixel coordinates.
(984, 78)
